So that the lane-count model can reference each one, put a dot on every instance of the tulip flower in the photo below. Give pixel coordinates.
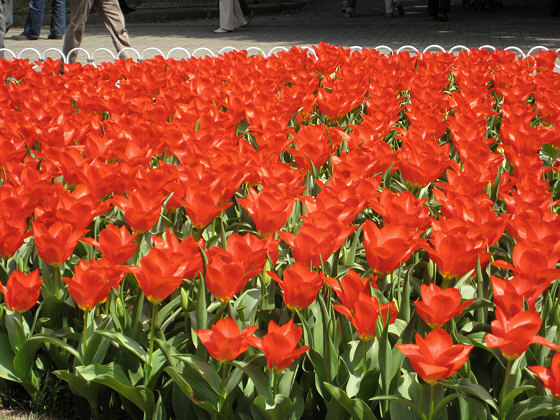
(224, 279)
(224, 341)
(299, 285)
(22, 290)
(350, 287)
(280, 345)
(389, 247)
(141, 209)
(57, 242)
(160, 274)
(438, 306)
(91, 283)
(116, 244)
(550, 377)
(435, 357)
(365, 313)
(513, 335)
(12, 234)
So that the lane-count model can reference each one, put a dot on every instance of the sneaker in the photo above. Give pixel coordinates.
(53, 36)
(248, 19)
(221, 30)
(23, 37)
(390, 15)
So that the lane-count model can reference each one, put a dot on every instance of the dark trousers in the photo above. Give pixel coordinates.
(436, 6)
(245, 8)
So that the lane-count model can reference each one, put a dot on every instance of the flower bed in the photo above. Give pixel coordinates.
(351, 235)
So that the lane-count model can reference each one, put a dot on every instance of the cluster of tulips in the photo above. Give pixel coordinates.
(316, 234)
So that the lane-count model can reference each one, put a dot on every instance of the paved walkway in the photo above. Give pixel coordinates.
(520, 23)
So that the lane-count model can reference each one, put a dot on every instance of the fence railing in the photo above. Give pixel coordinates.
(182, 53)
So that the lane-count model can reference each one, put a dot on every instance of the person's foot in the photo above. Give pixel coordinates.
(221, 30)
(23, 37)
(53, 36)
(442, 16)
(248, 19)
(400, 8)
(390, 15)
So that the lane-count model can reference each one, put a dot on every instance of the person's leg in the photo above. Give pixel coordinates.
(433, 7)
(58, 19)
(34, 19)
(113, 18)
(389, 7)
(79, 10)
(245, 9)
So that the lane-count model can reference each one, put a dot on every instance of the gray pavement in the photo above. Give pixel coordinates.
(525, 24)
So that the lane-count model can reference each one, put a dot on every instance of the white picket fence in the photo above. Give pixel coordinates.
(182, 53)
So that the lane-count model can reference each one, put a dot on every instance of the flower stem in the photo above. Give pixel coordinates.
(224, 377)
(84, 334)
(57, 279)
(431, 412)
(364, 359)
(155, 308)
(506, 380)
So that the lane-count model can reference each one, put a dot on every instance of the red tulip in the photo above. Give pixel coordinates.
(92, 281)
(389, 247)
(514, 335)
(550, 377)
(224, 341)
(142, 209)
(224, 279)
(435, 357)
(22, 290)
(116, 244)
(300, 286)
(365, 312)
(280, 345)
(57, 242)
(439, 306)
(350, 287)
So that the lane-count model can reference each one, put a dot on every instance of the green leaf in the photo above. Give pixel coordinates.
(180, 381)
(280, 410)
(401, 400)
(357, 408)
(15, 329)
(24, 359)
(510, 397)
(80, 386)
(441, 405)
(113, 376)
(7, 370)
(124, 341)
(260, 381)
(534, 407)
(207, 372)
(468, 387)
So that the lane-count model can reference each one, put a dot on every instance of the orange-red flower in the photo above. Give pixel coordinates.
(435, 357)
(438, 306)
(92, 281)
(300, 286)
(22, 290)
(224, 341)
(389, 247)
(224, 278)
(57, 242)
(515, 334)
(280, 345)
(550, 377)
(141, 208)
(116, 244)
(350, 287)
(365, 312)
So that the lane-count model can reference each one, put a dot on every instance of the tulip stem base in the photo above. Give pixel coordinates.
(432, 389)
(155, 308)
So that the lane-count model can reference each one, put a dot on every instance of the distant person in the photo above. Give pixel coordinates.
(232, 16)
(34, 20)
(392, 7)
(439, 9)
(6, 20)
(111, 15)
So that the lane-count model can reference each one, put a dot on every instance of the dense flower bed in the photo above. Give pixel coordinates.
(347, 235)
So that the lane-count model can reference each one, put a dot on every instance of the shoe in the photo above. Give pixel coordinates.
(390, 15)
(248, 19)
(221, 30)
(347, 14)
(400, 8)
(442, 17)
(23, 37)
(53, 36)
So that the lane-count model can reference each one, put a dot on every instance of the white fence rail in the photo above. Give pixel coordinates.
(182, 53)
